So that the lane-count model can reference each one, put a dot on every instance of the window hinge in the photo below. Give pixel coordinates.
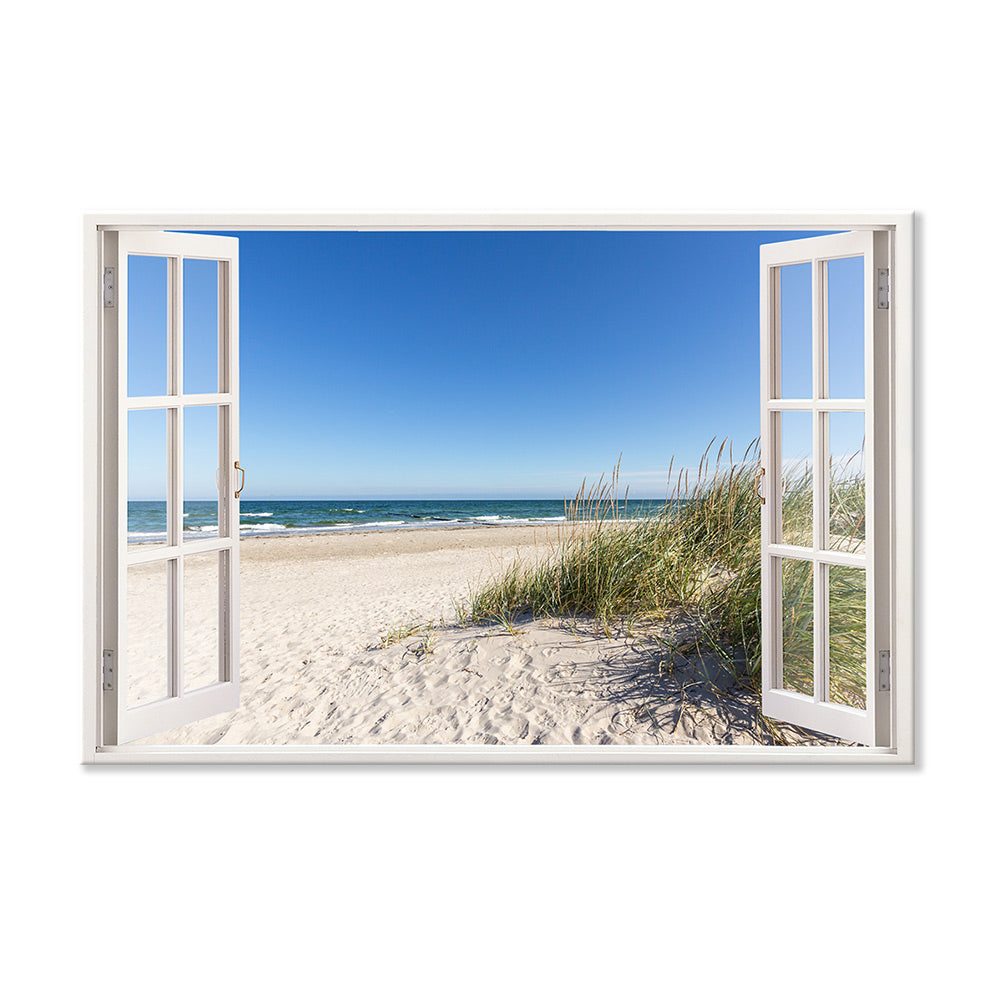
(883, 288)
(109, 288)
(108, 671)
(884, 670)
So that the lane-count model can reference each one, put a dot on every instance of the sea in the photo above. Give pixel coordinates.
(147, 519)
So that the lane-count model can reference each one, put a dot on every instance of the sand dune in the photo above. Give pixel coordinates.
(316, 609)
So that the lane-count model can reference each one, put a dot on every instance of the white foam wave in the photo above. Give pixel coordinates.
(504, 519)
(248, 514)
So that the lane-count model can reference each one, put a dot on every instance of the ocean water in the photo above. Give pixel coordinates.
(147, 519)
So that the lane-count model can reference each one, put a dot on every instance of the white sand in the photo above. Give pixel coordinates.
(313, 612)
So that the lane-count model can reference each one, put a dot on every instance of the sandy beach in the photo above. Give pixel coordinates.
(316, 669)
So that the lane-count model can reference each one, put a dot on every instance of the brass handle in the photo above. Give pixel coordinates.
(243, 480)
(756, 485)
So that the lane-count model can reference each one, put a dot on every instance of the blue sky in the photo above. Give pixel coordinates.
(466, 365)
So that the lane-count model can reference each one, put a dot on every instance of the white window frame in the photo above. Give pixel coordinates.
(901, 254)
(121, 722)
(872, 725)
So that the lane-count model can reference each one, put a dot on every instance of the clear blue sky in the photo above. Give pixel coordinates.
(470, 365)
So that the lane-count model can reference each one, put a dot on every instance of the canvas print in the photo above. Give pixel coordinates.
(499, 488)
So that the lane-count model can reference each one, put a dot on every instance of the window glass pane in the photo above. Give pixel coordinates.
(147, 676)
(201, 326)
(201, 619)
(848, 677)
(845, 310)
(796, 514)
(847, 482)
(201, 472)
(797, 625)
(796, 331)
(147, 477)
(148, 321)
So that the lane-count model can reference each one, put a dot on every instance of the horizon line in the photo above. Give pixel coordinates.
(507, 499)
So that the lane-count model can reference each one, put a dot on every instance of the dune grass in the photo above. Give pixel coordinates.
(700, 556)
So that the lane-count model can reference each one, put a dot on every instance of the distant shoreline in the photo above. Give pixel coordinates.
(253, 533)
(378, 529)
(483, 530)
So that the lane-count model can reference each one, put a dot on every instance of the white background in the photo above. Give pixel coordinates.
(484, 882)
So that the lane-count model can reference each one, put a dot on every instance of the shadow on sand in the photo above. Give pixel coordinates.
(660, 679)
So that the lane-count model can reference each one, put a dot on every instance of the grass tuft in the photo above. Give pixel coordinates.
(700, 556)
(400, 632)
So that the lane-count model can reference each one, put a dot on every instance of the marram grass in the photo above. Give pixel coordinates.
(699, 559)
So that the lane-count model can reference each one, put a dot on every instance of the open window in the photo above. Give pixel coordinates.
(826, 461)
(162, 327)
(171, 435)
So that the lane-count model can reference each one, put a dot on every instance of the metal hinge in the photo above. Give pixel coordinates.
(884, 670)
(109, 288)
(883, 288)
(108, 671)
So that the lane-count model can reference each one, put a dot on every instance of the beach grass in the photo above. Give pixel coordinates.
(401, 632)
(699, 559)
